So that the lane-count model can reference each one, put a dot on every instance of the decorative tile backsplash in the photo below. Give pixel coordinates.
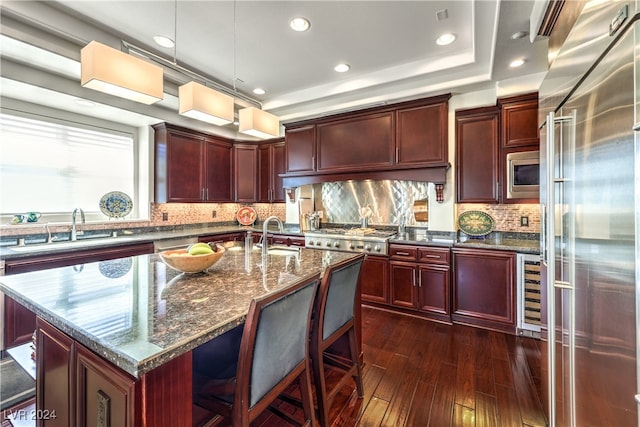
(507, 217)
(194, 213)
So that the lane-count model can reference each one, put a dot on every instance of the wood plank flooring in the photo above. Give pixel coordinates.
(421, 373)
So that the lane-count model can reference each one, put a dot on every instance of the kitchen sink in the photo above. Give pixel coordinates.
(283, 250)
(37, 247)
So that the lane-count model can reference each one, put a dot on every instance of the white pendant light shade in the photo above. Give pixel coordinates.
(114, 72)
(258, 123)
(203, 103)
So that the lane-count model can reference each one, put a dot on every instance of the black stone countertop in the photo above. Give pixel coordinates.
(138, 313)
(495, 241)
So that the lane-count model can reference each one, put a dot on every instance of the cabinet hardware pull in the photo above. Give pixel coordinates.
(403, 253)
(207, 194)
(432, 256)
(397, 155)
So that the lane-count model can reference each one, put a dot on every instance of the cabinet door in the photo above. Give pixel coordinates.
(484, 288)
(105, 395)
(245, 173)
(55, 376)
(300, 146)
(218, 186)
(519, 117)
(403, 284)
(421, 135)
(277, 168)
(433, 290)
(271, 163)
(477, 169)
(364, 142)
(374, 281)
(264, 173)
(179, 167)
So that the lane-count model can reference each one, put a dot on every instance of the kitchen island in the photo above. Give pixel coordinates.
(115, 337)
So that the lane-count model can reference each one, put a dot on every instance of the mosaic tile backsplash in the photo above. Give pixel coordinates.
(507, 217)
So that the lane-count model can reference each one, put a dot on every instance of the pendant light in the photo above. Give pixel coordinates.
(253, 121)
(258, 123)
(201, 102)
(111, 71)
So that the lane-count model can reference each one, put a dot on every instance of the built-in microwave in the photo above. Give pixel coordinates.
(523, 175)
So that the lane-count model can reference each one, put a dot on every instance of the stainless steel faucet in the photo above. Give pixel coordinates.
(74, 232)
(265, 224)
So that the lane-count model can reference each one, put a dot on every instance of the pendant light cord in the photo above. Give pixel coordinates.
(175, 31)
(235, 76)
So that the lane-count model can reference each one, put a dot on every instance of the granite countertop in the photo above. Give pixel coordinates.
(29, 250)
(495, 242)
(138, 313)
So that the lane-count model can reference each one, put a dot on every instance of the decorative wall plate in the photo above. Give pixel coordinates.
(116, 204)
(476, 223)
(246, 215)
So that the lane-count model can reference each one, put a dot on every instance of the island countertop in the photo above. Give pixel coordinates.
(138, 313)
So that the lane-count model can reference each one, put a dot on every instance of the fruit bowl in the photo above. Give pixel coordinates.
(181, 260)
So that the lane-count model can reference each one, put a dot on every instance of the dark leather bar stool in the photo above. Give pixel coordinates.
(333, 318)
(273, 354)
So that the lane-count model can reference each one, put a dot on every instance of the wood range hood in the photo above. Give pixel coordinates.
(402, 141)
(434, 174)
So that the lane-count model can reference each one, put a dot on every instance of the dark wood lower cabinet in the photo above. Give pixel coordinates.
(374, 279)
(55, 377)
(105, 395)
(484, 292)
(77, 388)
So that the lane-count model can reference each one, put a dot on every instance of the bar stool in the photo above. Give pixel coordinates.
(273, 354)
(333, 317)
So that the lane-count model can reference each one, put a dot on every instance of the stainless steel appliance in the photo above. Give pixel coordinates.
(590, 218)
(523, 174)
(349, 240)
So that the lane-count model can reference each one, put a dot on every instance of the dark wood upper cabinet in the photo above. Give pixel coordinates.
(519, 117)
(271, 163)
(477, 161)
(190, 166)
(421, 135)
(218, 184)
(364, 142)
(398, 137)
(245, 169)
(300, 149)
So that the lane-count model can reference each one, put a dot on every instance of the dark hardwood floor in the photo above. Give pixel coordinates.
(421, 373)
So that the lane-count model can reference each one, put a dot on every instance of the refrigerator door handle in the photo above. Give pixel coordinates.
(562, 284)
(543, 230)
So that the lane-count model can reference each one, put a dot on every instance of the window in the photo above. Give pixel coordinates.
(53, 167)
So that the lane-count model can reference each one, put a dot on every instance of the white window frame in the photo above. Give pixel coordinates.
(141, 154)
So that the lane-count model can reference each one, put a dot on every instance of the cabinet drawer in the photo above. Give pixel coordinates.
(408, 253)
(434, 255)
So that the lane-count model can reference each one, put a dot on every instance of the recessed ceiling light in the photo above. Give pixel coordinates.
(164, 41)
(259, 91)
(342, 68)
(519, 35)
(85, 103)
(516, 63)
(299, 24)
(446, 39)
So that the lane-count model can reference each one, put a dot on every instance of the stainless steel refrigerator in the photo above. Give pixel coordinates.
(590, 202)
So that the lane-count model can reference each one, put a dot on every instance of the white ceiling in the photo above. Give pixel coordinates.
(390, 46)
